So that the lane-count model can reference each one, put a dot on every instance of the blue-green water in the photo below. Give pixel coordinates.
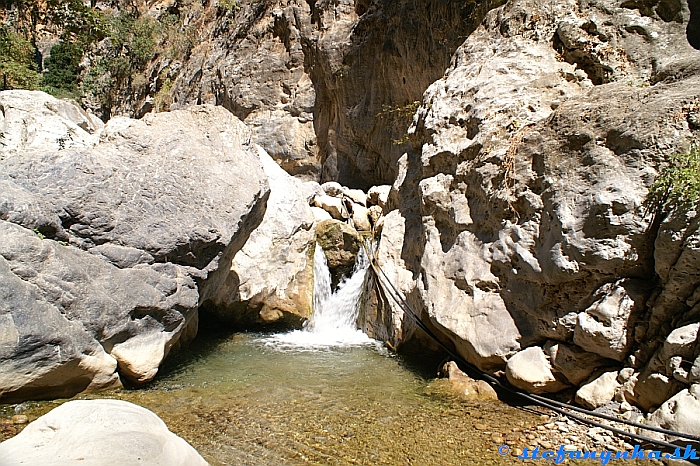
(245, 399)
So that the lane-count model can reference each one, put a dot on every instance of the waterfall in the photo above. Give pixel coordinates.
(333, 322)
(336, 312)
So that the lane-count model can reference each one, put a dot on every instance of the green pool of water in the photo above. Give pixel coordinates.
(240, 400)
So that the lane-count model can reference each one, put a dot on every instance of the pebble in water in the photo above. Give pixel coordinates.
(19, 419)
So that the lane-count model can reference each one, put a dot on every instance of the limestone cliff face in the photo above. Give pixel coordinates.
(519, 204)
(328, 87)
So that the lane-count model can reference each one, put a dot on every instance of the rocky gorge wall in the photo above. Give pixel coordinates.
(515, 225)
(327, 87)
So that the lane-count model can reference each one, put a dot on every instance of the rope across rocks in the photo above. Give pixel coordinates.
(558, 407)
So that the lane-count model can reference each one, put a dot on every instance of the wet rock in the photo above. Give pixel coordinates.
(340, 243)
(19, 419)
(85, 431)
(465, 386)
(599, 391)
(530, 370)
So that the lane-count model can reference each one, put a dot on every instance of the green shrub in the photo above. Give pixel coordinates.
(678, 185)
(178, 40)
(61, 69)
(132, 41)
(162, 99)
(229, 5)
(79, 23)
(18, 70)
(130, 45)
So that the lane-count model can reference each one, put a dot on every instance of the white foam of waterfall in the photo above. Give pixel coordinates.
(334, 319)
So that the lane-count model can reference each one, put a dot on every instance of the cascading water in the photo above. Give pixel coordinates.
(333, 322)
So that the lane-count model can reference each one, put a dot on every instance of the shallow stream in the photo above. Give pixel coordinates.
(252, 399)
(325, 395)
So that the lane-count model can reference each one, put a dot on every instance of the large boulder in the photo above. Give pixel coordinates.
(333, 205)
(464, 385)
(384, 319)
(271, 277)
(35, 121)
(98, 433)
(530, 370)
(41, 352)
(605, 327)
(340, 243)
(118, 238)
(525, 183)
(572, 362)
(70, 317)
(679, 413)
(599, 391)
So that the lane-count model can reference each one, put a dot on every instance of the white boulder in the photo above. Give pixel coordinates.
(599, 391)
(378, 195)
(98, 433)
(531, 371)
(679, 413)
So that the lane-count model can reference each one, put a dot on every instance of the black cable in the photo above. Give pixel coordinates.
(624, 421)
(535, 399)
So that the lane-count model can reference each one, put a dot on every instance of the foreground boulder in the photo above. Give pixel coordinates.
(95, 433)
(679, 413)
(109, 244)
(530, 370)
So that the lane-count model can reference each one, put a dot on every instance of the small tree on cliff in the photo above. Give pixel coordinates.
(678, 185)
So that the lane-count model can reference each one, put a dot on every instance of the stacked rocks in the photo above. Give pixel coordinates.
(363, 211)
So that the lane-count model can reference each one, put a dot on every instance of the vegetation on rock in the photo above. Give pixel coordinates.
(17, 65)
(98, 54)
(678, 185)
(62, 68)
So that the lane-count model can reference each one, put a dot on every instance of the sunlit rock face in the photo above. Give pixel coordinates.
(520, 199)
(112, 235)
(327, 87)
